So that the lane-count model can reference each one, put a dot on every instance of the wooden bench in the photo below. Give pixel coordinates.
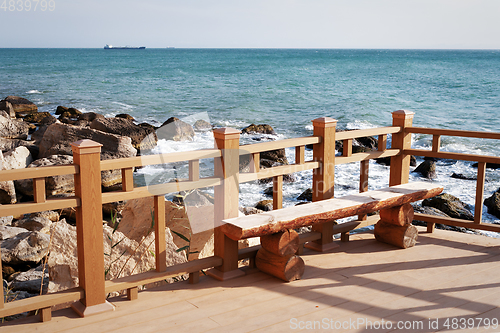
(279, 240)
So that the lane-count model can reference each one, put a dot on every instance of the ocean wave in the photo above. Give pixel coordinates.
(126, 106)
(34, 91)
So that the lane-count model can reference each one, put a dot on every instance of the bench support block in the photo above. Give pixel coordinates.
(223, 276)
(400, 236)
(287, 268)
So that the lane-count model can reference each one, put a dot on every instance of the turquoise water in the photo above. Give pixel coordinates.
(283, 88)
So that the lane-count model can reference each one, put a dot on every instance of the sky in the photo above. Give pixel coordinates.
(386, 24)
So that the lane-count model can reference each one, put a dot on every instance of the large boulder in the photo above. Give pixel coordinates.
(38, 223)
(58, 138)
(194, 223)
(493, 203)
(38, 117)
(435, 212)
(265, 205)
(6, 220)
(307, 195)
(202, 125)
(25, 248)
(175, 129)
(18, 158)
(7, 232)
(258, 129)
(12, 128)
(122, 256)
(450, 205)
(21, 105)
(90, 116)
(142, 138)
(8, 108)
(54, 184)
(427, 169)
(11, 144)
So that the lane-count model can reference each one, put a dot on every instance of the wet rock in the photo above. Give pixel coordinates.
(269, 191)
(38, 117)
(53, 185)
(12, 128)
(368, 142)
(450, 205)
(202, 125)
(90, 116)
(462, 176)
(26, 247)
(58, 138)
(265, 205)
(7, 231)
(278, 156)
(64, 112)
(306, 195)
(250, 210)
(38, 223)
(493, 204)
(8, 108)
(31, 281)
(435, 212)
(387, 161)
(175, 129)
(493, 166)
(125, 116)
(258, 129)
(427, 169)
(142, 138)
(21, 105)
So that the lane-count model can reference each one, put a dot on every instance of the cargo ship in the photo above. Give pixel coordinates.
(111, 47)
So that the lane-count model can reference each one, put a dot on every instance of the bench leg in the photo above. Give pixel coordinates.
(326, 242)
(344, 237)
(227, 249)
(395, 227)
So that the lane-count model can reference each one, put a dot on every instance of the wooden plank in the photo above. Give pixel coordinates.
(276, 171)
(481, 176)
(255, 163)
(352, 225)
(160, 189)
(42, 301)
(448, 132)
(363, 181)
(358, 157)
(456, 222)
(33, 207)
(436, 142)
(40, 172)
(300, 154)
(367, 132)
(127, 179)
(272, 145)
(45, 314)
(39, 194)
(153, 276)
(400, 164)
(382, 142)
(347, 148)
(194, 170)
(278, 192)
(303, 215)
(453, 156)
(159, 225)
(139, 161)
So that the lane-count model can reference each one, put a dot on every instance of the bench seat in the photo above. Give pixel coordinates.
(326, 210)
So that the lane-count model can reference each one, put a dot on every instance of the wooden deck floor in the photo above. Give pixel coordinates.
(446, 275)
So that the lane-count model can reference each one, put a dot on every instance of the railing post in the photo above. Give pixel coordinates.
(226, 198)
(86, 154)
(400, 164)
(324, 178)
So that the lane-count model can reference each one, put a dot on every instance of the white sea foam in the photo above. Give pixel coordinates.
(34, 91)
(125, 106)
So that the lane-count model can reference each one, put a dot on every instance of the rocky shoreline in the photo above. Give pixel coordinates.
(38, 250)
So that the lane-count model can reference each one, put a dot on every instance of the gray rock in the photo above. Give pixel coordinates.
(175, 129)
(493, 204)
(53, 185)
(250, 210)
(427, 169)
(258, 129)
(265, 205)
(89, 116)
(306, 195)
(26, 247)
(193, 198)
(58, 138)
(12, 128)
(21, 105)
(202, 125)
(38, 223)
(143, 138)
(19, 158)
(11, 144)
(7, 232)
(450, 205)
(8, 108)
(7, 189)
(6, 220)
(31, 281)
(49, 214)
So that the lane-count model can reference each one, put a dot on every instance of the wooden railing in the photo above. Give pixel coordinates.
(92, 290)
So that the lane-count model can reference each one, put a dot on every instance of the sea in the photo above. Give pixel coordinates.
(285, 88)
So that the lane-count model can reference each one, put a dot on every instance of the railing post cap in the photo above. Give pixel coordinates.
(86, 146)
(403, 114)
(226, 133)
(324, 122)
